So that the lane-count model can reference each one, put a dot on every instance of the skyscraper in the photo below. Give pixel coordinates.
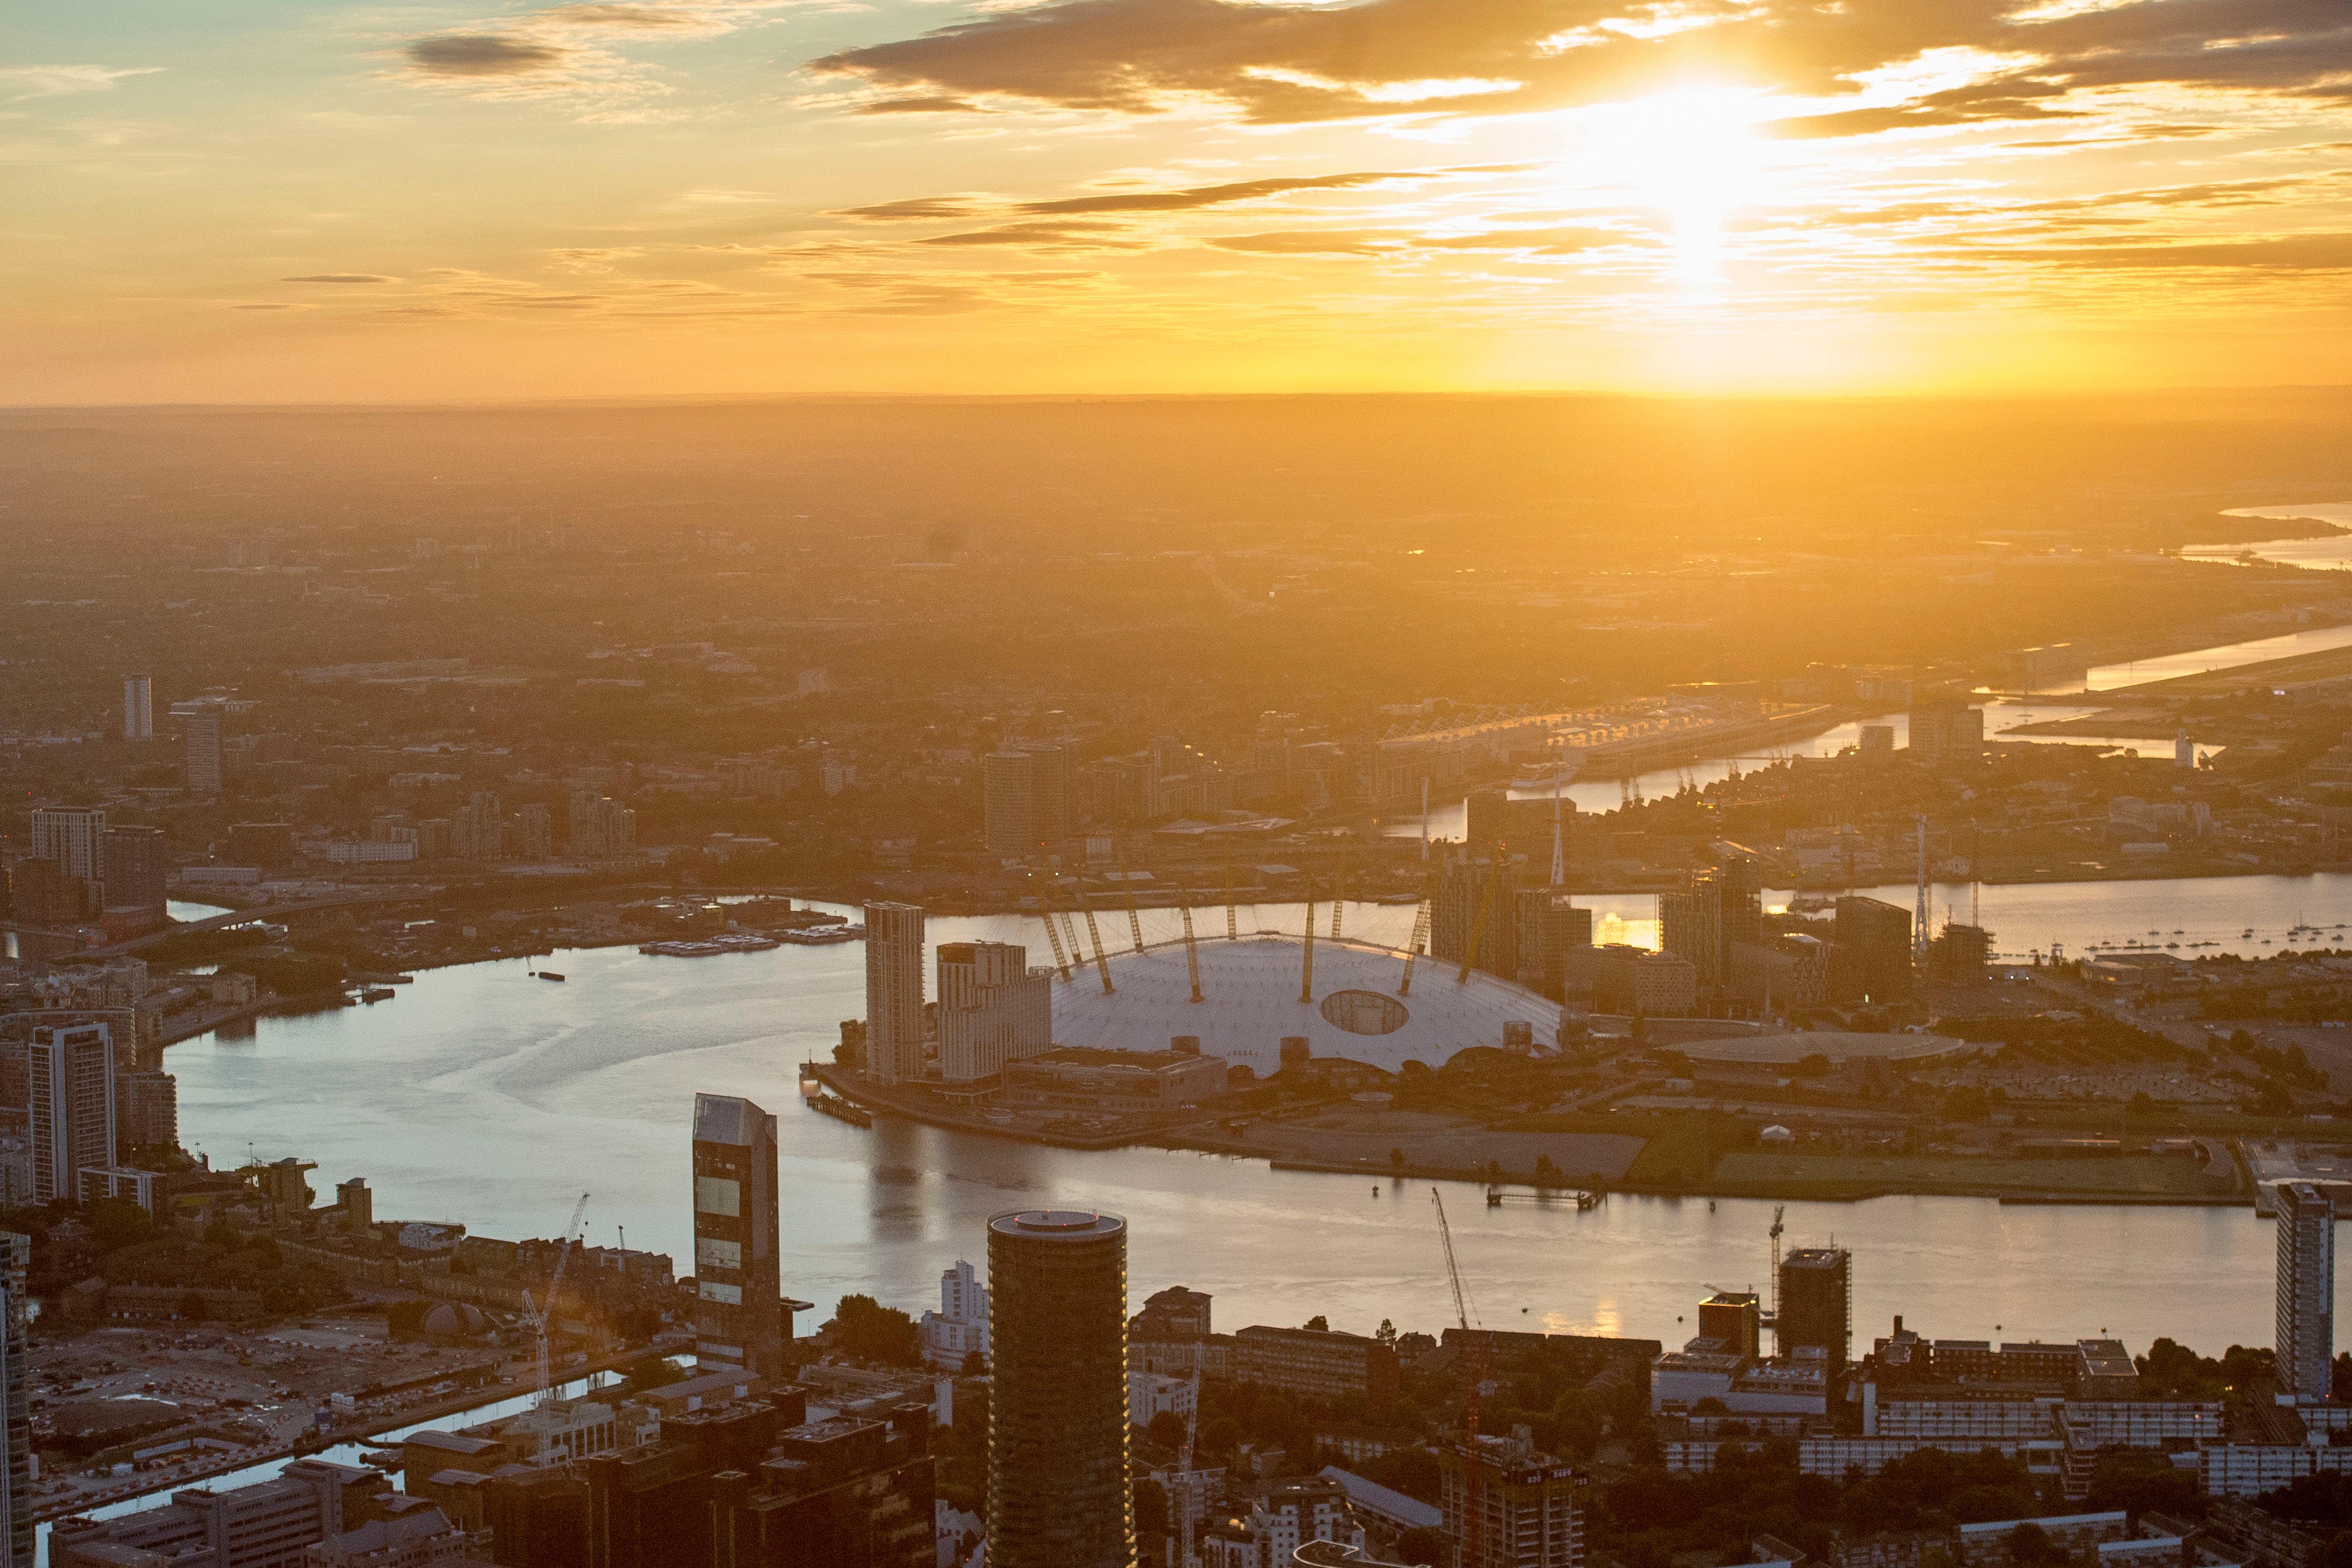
(71, 837)
(204, 761)
(1057, 1435)
(70, 1071)
(132, 866)
(2306, 1289)
(1817, 1302)
(16, 1421)
(993, 1008)
(138, 708)
(894, 992)
(739, 1306)
(1025, 799)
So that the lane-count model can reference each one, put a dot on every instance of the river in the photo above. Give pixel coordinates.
(2329, 552)
(483, 1096)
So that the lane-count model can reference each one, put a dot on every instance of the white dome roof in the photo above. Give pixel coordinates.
(1249, 1002)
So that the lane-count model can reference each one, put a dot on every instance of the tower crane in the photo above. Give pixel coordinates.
(537, 1316)
(1778, 1210)
(1475, 1347)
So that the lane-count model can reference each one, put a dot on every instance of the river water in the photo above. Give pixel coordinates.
(2331, 553)
(484, 1096)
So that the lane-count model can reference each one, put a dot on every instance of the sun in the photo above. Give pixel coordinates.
(1691, 154)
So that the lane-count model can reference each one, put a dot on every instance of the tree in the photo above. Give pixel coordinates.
(1422, 1545)
(652, 1372)
(1386, 1334)
(1319, 1324)
(1150, 1506)
(118, 1223)
(865, 1330)
(1167, 1429)
(2028, 1542)
(974, 1364)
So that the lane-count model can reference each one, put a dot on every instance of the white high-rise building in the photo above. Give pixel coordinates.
(2306, 1289)
(894, 992)
(71, 1071)
(993, 1008)
(204, 763)
(72, 836)
(138, 708)
(961, 1325)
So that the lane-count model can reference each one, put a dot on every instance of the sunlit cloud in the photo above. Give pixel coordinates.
(57, 81)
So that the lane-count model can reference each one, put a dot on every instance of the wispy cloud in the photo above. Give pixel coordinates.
(55, 81)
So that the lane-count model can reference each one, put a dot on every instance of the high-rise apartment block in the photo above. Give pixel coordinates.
(992, 1008)
(1025, 798)
(70, 1070)
(1817, 1303)
(602, 829)
(138, 708)
(1946, 733)
(1870, 955)
(739, 1306)
(894, 992)
(134, 869)
(531, 834)
(202, 729)
(1507, 1506)
(72, 836)
(479, 831)
(959, 1328)
(2306, 1289)
(1467, 885)
(1057, 1432)
(15, 1417)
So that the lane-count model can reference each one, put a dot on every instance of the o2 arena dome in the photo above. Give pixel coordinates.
(1249, 1004)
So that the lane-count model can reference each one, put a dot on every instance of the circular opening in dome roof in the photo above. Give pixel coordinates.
(1364, 1012)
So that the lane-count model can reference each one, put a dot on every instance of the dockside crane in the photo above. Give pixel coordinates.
(1476, 1350)
(537, 1316)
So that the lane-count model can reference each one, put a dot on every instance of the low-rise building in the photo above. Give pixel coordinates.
(1318, 1362)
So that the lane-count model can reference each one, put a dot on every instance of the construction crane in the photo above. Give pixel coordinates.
(1306, 965)
(1778, 1210)
(1134, 921)
(1475, 1348)
(1094, 938)
(1192, 953)
(1053, 937)
(1416, 947)
(1184, 1469)
(1478, 926)
(537, 1316)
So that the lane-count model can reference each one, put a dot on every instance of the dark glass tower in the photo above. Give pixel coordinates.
(1058, 1488)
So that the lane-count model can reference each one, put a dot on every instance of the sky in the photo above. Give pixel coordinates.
(289, 201)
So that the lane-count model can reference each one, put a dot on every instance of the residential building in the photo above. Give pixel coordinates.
(1736, 1318)
(266, 1525)
(16, 1418)
(1175, 1315)
(421, 1538)
(1318, 1362)
(1058, 1438)
(1287, 1516)
(70, 1073)
(1870, 958)
(1150, 1394)
(959, 1328)
(893, 992)
(531, 833)
(840, 1494)
(479, 831)
(1946, 733)
(992, 1008)
(1817, 1303)
(2305, 1345)
(138, 708)
(739, 1321)
(202, 732)
(71, 837)
(1509, 1506)
(1474, 901)
(1027, 792)
(134, 866)
(601, 828)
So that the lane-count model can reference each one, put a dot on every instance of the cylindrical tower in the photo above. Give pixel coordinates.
(1058, 1488)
